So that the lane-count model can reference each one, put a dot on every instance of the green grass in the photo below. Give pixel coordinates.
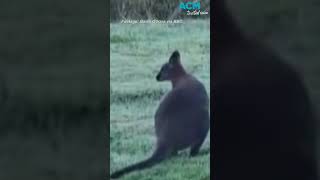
(136, 55)
(52, 55)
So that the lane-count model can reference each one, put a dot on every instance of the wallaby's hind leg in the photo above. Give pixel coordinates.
(161, 153)
(196, 147)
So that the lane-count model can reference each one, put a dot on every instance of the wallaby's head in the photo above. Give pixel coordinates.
(172, 69)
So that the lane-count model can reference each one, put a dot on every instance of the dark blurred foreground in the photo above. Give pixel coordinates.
(53, 90)
(290, 28)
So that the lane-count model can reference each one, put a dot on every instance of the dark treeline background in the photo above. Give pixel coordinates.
(53, 89)
(151, 9)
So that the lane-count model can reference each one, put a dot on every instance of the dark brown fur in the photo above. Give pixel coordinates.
(264, 125)
(182, 118)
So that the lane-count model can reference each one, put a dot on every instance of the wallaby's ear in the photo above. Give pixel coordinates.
(175, 57)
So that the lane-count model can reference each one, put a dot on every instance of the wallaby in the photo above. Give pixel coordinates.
(264, 122)
(182, 118)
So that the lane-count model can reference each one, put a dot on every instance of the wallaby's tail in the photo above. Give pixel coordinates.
(156, 157)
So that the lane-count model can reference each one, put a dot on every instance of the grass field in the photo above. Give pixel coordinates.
(137, 53)
(54, 61)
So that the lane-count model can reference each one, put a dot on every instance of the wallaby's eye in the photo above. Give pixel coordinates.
(162, 69)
